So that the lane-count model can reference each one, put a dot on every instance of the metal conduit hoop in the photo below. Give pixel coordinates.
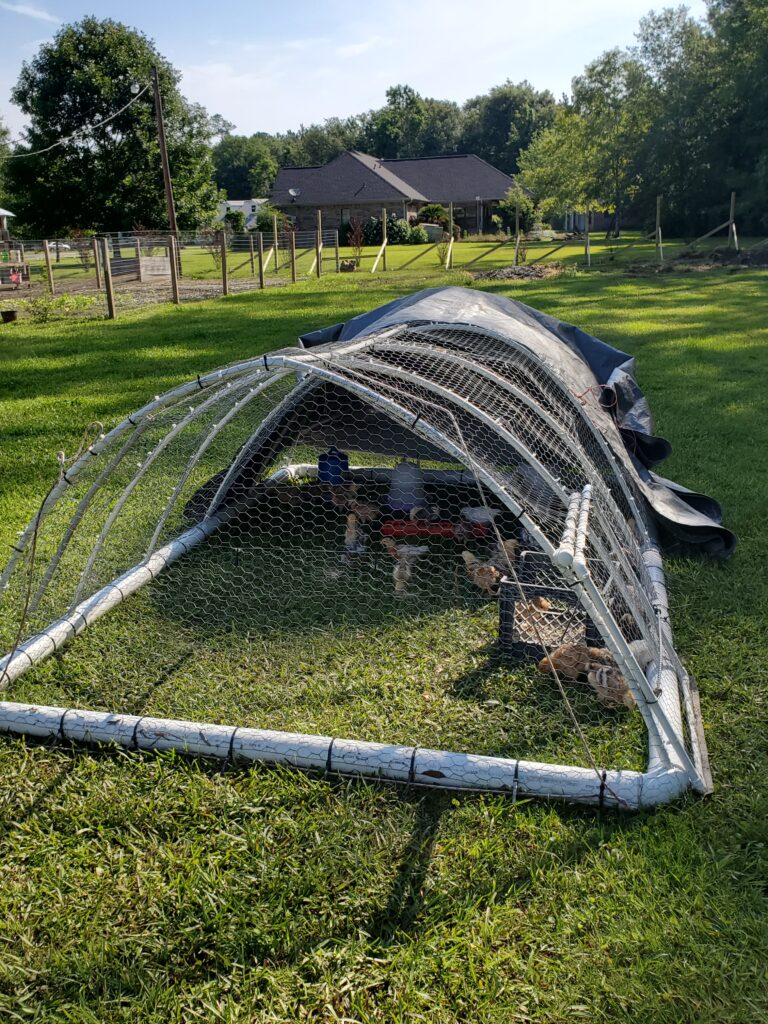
(290, 513)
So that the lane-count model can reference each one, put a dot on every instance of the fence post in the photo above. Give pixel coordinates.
(384, 238)
(97, 268)
(224, 268)
(174, 268)
(732, 236)
(138, 258)
(659, 242)
(108, 279)
(453, 235)
(336, 244)
(274, 235)
(319, 244)
(261, 260)
(587, 248)
(292, 244)
(48, 266)
(517, 232)
(250, 251)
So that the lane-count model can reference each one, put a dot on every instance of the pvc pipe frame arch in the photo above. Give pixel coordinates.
(661, 782)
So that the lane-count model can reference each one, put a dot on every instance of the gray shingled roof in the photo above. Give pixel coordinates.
(350, 178)
(452, 179)
(358, 178)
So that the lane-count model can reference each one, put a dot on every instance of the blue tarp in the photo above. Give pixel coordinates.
(583, 361)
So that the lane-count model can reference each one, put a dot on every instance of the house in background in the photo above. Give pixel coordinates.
(355, 186)
(248, 207)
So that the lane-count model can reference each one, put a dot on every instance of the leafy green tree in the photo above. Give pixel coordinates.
(440, 133)
(614, 100)
(499, 125)
(395, 130)
(5, 149)
(245, 166)
(107, 175)
(518, 201)
(555, 167)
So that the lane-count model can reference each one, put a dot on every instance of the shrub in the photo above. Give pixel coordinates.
(417, 235)
(398, 231)
(47, 307)
(234, 220)
(372, 231)
(264, 216)
(434, 213)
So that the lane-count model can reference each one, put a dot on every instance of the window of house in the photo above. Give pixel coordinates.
(345, 216)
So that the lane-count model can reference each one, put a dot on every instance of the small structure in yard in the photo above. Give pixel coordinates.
(4, 215)
(453, 473)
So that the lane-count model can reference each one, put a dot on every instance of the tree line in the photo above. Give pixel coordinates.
(682, 113)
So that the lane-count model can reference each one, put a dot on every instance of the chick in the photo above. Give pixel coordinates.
(485, 576)
(354, 541)
(573, 661)
(366, 511)
(610, 686)
(405, 555)
(504, 554)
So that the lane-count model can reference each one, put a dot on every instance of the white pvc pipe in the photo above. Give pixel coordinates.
(629, 790)
(60, 632)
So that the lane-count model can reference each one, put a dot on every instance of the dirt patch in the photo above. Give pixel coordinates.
(521, 273)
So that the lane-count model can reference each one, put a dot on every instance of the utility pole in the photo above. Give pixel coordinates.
(164, 155)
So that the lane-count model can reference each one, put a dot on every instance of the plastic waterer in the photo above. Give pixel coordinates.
(332, 467)
(407, 487)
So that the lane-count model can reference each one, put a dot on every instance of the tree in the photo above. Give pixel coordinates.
(395, 130)
(107, 175)
(555, 167)
(5, 149)
(613, 99)
(499, 125)
(518, 206)
(245, 166)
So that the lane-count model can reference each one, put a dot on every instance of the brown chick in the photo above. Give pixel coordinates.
(611, 687)
(504, 554)
(483, 575)
(574, 660)
(365, 511)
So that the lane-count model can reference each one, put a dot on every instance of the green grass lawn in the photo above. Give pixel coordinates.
(156, 889)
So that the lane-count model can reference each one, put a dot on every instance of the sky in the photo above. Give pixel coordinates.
(274, 66)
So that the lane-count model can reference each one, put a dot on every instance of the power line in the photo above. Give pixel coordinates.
(81, 131)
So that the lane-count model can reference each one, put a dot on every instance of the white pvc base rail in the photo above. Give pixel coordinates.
(415, 765)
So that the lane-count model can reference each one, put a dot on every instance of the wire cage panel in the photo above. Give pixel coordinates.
(367, 540)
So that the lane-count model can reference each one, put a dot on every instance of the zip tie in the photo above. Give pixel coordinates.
(134, 737)
(329, 757)
(601, 799)
(200, 383)
(412, 767)
(230, 756)
(62, 737)
(515, 781)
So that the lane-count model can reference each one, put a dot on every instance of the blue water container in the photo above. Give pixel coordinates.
(332, 467)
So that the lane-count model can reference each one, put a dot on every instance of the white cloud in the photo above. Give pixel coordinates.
(28, 11)
(356, 49)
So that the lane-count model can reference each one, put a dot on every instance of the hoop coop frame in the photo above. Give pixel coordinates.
(430, 529)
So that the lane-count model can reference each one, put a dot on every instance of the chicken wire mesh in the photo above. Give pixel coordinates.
(367, 551)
